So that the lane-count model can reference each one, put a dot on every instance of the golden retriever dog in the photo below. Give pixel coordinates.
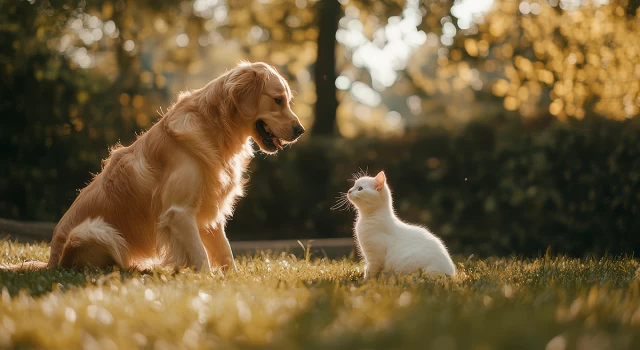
(167, 196)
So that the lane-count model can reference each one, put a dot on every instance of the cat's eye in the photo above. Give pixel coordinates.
(360, 188)
(278, 100)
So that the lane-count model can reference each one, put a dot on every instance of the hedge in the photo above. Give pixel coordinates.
(492, 187)
(498, 186)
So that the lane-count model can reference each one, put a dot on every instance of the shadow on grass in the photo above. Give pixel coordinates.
(38, 282)
(331, 320)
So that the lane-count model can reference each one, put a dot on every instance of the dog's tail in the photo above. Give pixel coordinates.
(95, 243)
(27, 265)
(92, 243)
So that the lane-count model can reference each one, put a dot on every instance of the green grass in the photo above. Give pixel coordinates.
(279, 301)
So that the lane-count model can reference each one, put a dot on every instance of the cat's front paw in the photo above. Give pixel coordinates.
(371, 270)
(368, 275)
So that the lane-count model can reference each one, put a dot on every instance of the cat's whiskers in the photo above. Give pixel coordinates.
(359, 174)
(342, 202)
(339, 204)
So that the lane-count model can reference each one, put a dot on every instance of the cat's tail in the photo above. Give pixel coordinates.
(445, 266)
(450, 269)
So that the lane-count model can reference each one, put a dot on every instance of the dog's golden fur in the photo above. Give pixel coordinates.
(168, 195)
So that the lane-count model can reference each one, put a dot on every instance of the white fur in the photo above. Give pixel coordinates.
(386, 243)
(102, 237)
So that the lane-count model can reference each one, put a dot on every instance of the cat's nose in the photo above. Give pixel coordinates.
(351, 190)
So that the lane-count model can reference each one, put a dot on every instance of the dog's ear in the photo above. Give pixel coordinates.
(244, 88)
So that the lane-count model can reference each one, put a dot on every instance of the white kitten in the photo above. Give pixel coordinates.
(388, 244)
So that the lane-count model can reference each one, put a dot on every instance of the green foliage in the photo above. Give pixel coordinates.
(278, 301)
(56, 120)
(551, 64)
(493, 187)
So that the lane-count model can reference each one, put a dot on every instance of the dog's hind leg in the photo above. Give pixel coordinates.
(178, 240)
(95, 243)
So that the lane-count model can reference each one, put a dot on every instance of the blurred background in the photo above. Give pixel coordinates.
(504, 126)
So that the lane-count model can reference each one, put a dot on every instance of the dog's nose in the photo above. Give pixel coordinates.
(298, 130)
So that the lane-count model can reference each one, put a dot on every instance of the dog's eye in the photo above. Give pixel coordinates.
(360, 188)
(278, 101)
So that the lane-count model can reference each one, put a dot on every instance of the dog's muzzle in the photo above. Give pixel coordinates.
(298, 130)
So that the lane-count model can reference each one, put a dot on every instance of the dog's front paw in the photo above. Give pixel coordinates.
(229, 267)
(204, 268)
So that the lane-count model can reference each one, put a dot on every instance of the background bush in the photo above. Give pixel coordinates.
(493, 186)
(496, 186)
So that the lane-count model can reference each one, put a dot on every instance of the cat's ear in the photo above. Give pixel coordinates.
(380, 180)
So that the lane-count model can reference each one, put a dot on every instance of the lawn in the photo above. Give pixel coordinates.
(278, 301)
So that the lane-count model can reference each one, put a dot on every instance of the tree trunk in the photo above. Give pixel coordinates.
(325, 68)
